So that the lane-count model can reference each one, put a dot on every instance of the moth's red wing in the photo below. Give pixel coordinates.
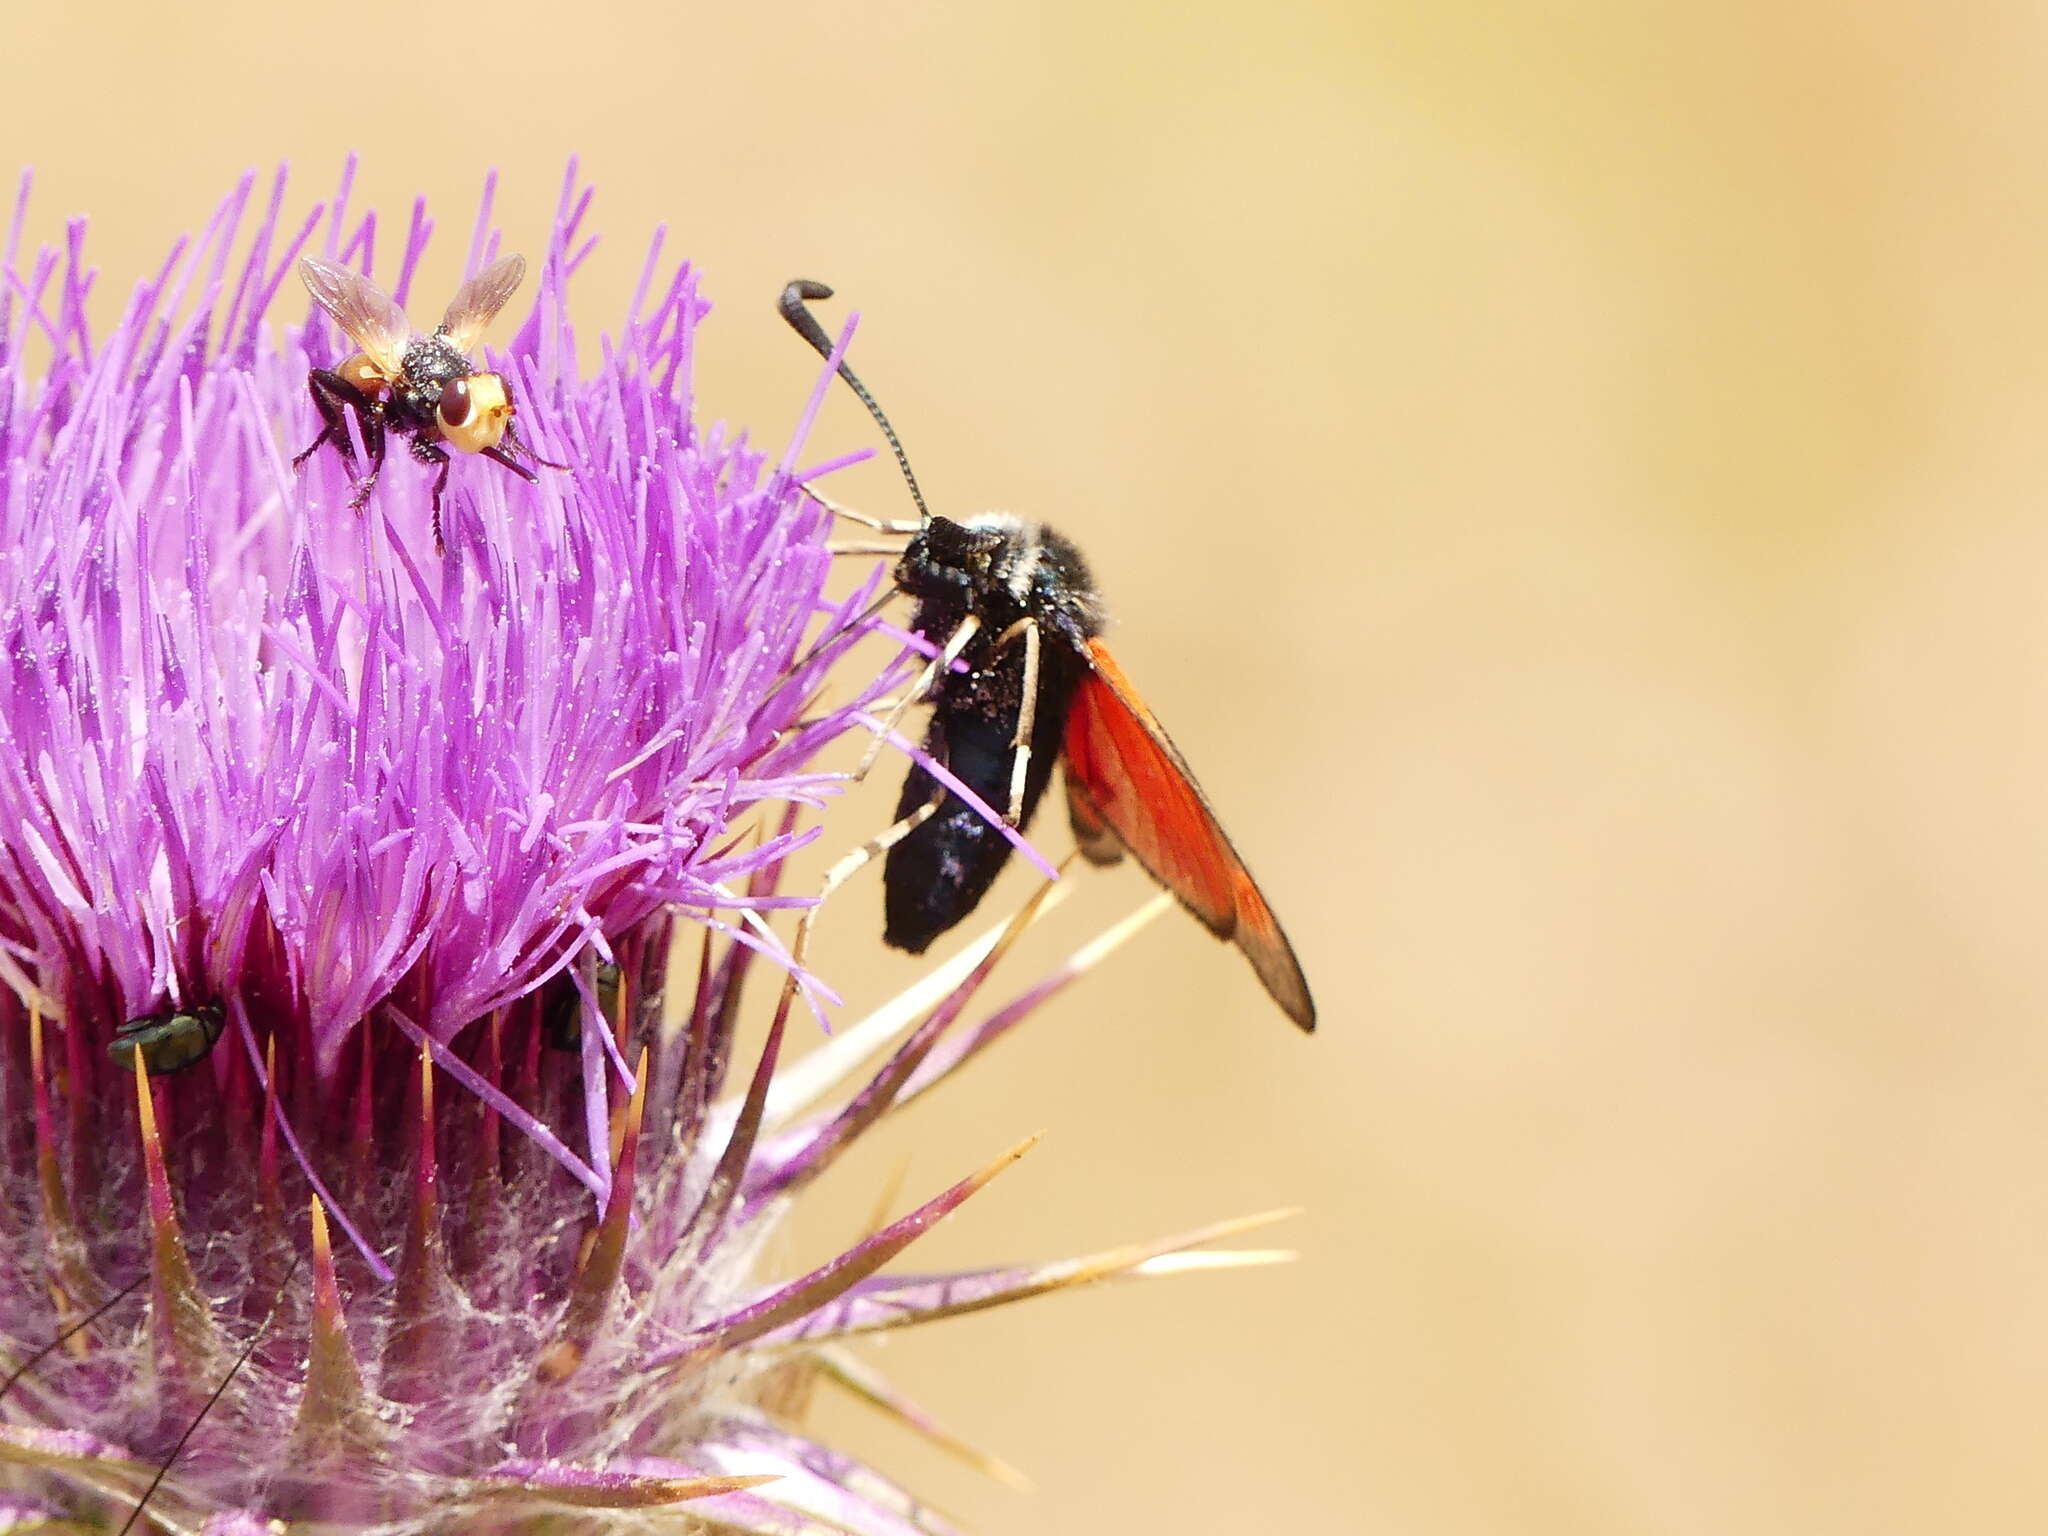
(1125, 777)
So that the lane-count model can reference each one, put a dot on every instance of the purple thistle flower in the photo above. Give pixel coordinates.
(416, 836)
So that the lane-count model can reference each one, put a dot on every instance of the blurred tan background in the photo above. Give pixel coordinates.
(1571, 478)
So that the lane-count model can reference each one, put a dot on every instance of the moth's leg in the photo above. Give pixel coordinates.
(950, 653)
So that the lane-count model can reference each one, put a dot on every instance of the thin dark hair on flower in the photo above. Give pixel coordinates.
(43, 1352)
(212, 1400)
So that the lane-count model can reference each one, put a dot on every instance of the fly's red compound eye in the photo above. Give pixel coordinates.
(475, 412)
(455, 403)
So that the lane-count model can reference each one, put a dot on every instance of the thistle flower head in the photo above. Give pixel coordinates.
(360, 1139)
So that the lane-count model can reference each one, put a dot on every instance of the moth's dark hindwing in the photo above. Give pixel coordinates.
(1001, 571)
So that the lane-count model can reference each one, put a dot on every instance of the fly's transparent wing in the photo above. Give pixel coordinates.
(366, 313)
(479, 299)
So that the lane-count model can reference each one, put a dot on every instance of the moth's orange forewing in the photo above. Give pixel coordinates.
(1125, 777)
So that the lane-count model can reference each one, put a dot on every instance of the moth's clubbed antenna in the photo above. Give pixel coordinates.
(798, 314)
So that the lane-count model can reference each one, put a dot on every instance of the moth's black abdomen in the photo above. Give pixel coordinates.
(938, 873)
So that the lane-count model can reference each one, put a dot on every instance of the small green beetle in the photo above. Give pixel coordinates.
(562, 1014)
(169, 1042)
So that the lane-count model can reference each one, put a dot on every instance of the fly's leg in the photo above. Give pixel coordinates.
(513, 449)
(371, 423)
(334, 397)
(428, 453)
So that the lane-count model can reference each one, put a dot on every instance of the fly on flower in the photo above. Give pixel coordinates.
(170, 1041)
(423, 387)
(1014, 604)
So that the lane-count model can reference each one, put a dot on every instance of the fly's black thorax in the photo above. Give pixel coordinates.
(430, 362)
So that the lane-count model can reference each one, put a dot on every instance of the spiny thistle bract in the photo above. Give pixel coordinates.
(456, 1225)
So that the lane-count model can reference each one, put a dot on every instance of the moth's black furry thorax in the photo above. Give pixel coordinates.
(1001, 568)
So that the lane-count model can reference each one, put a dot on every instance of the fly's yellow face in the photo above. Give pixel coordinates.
(475, 412)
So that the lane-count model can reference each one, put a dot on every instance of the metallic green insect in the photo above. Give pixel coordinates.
(169, 1042)
(562, 1018)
